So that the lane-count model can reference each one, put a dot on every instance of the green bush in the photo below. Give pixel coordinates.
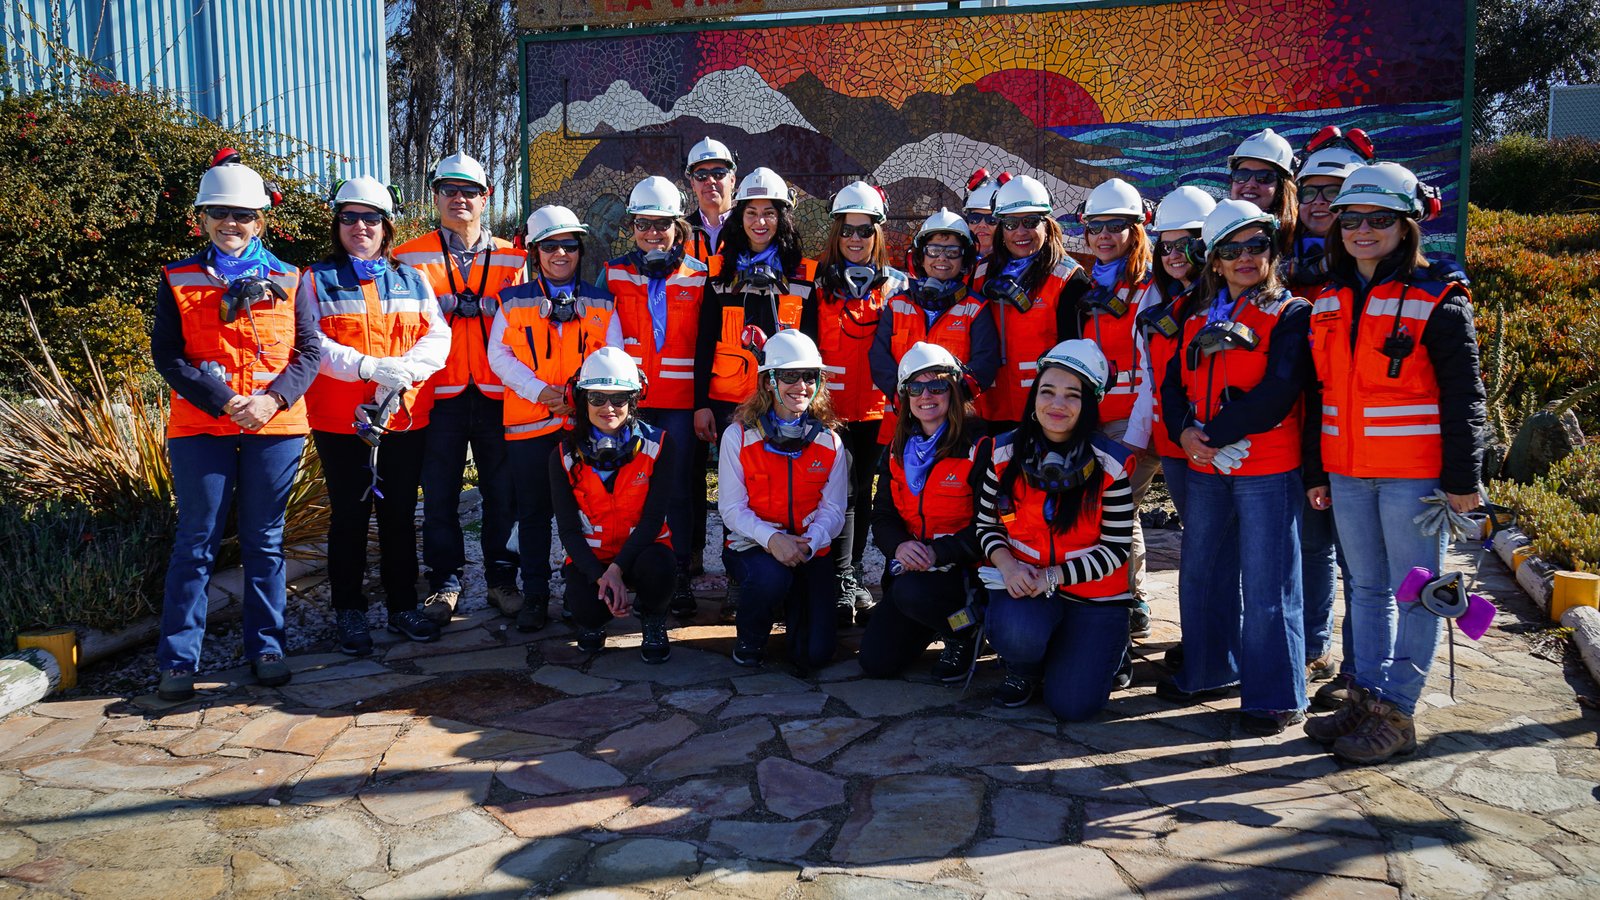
(1561, 510)
(1526, 174)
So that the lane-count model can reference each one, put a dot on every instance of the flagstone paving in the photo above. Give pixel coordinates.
(498, 764)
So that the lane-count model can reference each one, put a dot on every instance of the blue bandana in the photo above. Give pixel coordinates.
(255, 259)
(1106, 274)
(918, 458)
(768, 257)
(1221, 308)
(369, 269)
(1309, 242)
(1017, 267)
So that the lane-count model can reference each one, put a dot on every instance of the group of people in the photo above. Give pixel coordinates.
(1289, 361)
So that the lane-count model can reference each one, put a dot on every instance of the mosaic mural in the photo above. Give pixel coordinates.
(1157, 93)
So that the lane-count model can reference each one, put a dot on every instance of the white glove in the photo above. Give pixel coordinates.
(365, 368)
(393, 374)
(1231, 455)
(1437, 515)
(991, 578)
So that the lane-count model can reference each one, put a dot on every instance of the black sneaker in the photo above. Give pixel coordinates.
(177, 685)
(414, 625)
(1015, 691)
(1167, 689)
(747, 655)
(355, 639)
(955, 660)
(653, 648)
(1139, 622)
(1124, 676)
(683, 605)
(844, 614)
(1268, 724)
(591, 640)
(534, 614)
(270, 670)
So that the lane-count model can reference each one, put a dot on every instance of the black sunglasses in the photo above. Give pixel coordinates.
(978, 218)
(1012, 223)
(1379, 221)
(936, 388)
(857, 231)
(1259, 176)
(1310, 192)
(569, 245)
(1256, 246)
(795, 376)
(652, 224)
(620, 401)
(710, 174)
(224, 213)
(1117, 227)
(471, 192)
(350, 217)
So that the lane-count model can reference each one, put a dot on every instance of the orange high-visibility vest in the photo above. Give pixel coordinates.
(1162, 349)
(783, 490)
(552, 350)
(733, 368)
(952, 330)
(1024, 337)
(946, 504)
(381, 321)
(1028, 531)
(610, 511)
(670, 369)
(845, 329)
(1115, 337)
(493, 271)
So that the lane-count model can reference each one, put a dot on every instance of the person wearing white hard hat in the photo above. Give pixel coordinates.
(610, 493)
(1055, 520)
(854, 283)
(658, 287)
(709, 170)
(1113, 218)
(238, 347)
(979, 210)
(937, 307)
(1240, 380)
(543, 331)
(1401, 432)
(923, 521)
(467, 267)
(782, 486)
(1261, 171)
(1033, 288)
(382, 337)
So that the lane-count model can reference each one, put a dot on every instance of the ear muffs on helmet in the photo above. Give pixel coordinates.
(1429, 201)
(1149, 211)
(273, 194)
(1355, 140)
(333, 192)
(1195, 252)
(978, 177)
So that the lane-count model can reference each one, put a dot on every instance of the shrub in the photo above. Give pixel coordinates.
(1561, 510)
(1532, 175)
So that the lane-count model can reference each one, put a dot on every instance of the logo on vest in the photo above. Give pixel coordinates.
(640, 478)
(950, 478)
(816, 465)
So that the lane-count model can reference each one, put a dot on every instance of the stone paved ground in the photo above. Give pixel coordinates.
(500, 764)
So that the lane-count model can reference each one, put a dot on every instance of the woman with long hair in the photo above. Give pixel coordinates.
(1261, 171)
(1055, 519)
(782, 485)
(978, 210)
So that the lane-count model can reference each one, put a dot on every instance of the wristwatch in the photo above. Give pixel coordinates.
(282, 403)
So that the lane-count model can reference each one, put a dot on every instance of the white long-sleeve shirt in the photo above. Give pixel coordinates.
(426, 356)
(746, 529)
(515, 374)
(1142, 419)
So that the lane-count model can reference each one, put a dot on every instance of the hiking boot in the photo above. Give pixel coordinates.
(355, 639)
(591, 640)
(1168, 690)
(683, 605)
(1335, 693)
(534, 615)
(955, 660)
(748, 655)
(1124, 676)
(270, 670)
(844, 614)
(1348, 717)
(1321, 668)
(857, 596)
(1015, 691)
(730, 604)
(1267, 724)
(653, 648)
(177, 685)
(414, 625)
(507, 599)
(1139, 622)
(441, 605)
(1385, 732)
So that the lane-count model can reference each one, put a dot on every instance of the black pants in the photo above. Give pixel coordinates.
(529, 459)
(344, 468)
(914, 611)
(861, 441)
(651, 577)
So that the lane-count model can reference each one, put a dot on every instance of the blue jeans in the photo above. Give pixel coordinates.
(469, 418)
(1075, 647)
(1319, 544)
(808, 593)
(679, 426)
(1394, 643)
(1175, 472)
(1239, 595)
(210, 472)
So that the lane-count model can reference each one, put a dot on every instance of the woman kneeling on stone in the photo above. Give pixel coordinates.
(1055, 518)
(610, 510)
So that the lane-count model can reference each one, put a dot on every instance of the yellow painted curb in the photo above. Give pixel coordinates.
(1574, 589)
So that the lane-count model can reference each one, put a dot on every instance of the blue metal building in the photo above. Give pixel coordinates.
(312, 70)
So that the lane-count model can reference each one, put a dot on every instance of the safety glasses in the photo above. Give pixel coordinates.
(716, 174)
(943, 251)
(795, 376)
(471, 192)
(1309, 193)
(1256, 246)
(224, 213)
(1170, 248)
(642, 225)
(1012, 223)
(1259, 176)
(976, 218)
(552, 247)
(619, 401)
(1378, 221)
(348, 217)
(1115, 227)
(936, 388)
(861, 232)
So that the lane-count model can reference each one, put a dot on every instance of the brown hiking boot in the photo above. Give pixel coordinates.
(1384, 733)
(1347, 719)
(1334, 694)
(507, 599)
(1320, 669)
(441, 605)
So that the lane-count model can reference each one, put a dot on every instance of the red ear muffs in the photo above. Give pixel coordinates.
(1328, 135)
(1078, 212)
(1002, 178)
(1432, 206)
(569, 393)
(1149, 212)
(225, 155)
(275, 195)
(978, 177)
(644, 386)
(882, 195)
(1360, 143)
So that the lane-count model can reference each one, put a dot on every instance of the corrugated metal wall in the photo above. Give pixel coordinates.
(311, 70)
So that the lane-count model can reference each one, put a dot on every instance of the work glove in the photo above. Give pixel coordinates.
(392, 373)
(1231, 455)
(1437, 516)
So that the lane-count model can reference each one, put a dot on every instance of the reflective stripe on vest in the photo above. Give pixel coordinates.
(671, 369)
(946, 504)
(610, 512)
(468, 362)
(733, 367)
(846, 328)
(1024, 337)
(1115, 336)
(786, 491)
(379, 318)
(553, 351)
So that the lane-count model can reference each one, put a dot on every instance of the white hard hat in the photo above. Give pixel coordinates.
(1390, 186)
(1185, 209)
(943, 222)
(1334, 162)
(981, 187)
(231, 183)
(860, 197)
(1021, 194)
(1114, 198)
(459, 167)
(709, 150)
(1269, 147)
(791, 349)
(609, 369)
(367, 191)
(764, 184)
(656, 196)
(1082, 358)
(924, 356)
(552, 220)
(1231, 215)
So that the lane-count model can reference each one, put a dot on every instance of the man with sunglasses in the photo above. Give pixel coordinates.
(467, 267)
(710, 170)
